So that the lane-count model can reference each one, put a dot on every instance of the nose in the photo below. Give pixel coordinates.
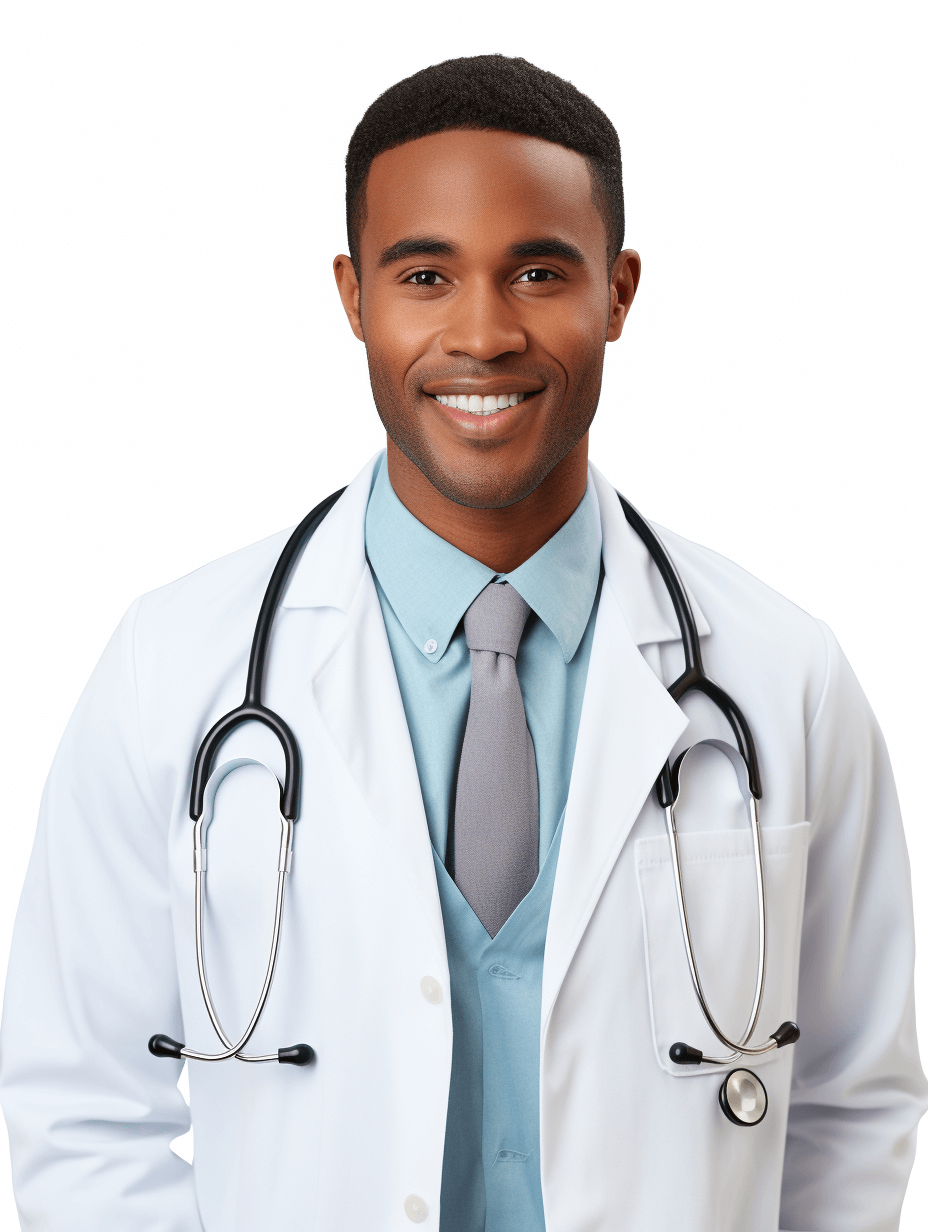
(483, 324)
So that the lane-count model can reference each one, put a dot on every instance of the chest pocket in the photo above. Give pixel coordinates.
(721, 897)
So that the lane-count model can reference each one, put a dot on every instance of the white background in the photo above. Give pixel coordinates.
(178, 379)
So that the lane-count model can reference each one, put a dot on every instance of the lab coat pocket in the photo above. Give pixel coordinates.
(721, 898)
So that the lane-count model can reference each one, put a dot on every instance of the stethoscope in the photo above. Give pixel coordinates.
(742, 1096)
(202, 798)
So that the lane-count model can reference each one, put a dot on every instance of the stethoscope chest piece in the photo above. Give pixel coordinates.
(743, 1097)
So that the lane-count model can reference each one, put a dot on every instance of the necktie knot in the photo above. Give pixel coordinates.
(495, 620)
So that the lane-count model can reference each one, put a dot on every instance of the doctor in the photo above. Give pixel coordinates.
(481, 940)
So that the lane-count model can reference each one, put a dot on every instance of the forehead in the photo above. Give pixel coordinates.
(480, 189)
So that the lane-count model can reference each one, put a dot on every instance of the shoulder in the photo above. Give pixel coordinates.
(195, 631)
(727, 589)
(190, 640)
(205, 603)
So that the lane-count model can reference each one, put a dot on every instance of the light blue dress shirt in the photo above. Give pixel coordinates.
(490, 1176)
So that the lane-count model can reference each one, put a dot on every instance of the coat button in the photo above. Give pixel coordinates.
(431, 990)
(415, 1208)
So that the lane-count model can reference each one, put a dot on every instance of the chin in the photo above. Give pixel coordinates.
(482, 486)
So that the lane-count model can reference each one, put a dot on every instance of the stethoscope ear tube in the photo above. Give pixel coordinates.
(164, 1046)
(685, 1054)
(788, 1032)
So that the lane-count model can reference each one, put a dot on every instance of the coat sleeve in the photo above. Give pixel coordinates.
(92, 975)
(858, 1088)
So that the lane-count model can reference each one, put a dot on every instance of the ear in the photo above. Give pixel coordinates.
(626, 271)
(350, 291)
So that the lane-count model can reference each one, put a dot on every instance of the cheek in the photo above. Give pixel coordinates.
(575, 339)
(396, 335)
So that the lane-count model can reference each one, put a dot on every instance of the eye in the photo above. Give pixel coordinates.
(537, 275)
(425, 278)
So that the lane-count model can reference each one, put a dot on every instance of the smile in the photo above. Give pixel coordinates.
(475, 405)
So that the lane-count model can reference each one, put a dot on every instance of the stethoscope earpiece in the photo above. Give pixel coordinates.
(299, 1054)
(743, 1098)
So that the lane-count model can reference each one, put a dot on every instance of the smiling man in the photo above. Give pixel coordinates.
(481, 653)
(493, 277)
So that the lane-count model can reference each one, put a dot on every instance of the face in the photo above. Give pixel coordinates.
(485, 303)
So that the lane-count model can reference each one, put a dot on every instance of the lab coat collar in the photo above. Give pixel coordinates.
(333, 563)
(633, 576)
(357, 697)
(331, 567)
(628, 726)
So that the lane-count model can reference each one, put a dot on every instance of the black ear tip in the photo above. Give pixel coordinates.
(164, 1046)
(786, 1033)
(299, 1054)
(684, 1054)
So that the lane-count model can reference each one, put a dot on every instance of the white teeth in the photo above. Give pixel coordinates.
(475, 405)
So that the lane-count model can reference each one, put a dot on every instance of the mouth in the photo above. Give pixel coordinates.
(475, 404)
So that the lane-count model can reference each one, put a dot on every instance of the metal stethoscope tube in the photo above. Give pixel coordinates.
(740, 1047)
(162, 1045)
(283, 868)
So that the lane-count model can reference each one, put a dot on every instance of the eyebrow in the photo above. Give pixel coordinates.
(547, 246)
(417, 246)
(432, 246)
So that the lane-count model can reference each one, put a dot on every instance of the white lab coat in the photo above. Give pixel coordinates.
(103, 953)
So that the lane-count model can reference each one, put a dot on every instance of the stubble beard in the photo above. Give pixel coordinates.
(484, 485)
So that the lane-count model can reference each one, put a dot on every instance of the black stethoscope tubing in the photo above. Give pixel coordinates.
(252, 709)
(693, 677)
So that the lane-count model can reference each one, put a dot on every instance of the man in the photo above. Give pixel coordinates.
(481, 939)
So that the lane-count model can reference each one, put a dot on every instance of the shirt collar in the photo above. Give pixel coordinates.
(430, 583)
(560, 581)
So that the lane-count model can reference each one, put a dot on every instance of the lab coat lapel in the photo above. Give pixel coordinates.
(628, 726)
(357, 697)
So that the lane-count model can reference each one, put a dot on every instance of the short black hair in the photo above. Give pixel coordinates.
(489, 92)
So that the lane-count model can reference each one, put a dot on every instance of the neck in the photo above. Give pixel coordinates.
(501, 539)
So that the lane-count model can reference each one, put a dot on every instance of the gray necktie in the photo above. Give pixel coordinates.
(495, 846)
